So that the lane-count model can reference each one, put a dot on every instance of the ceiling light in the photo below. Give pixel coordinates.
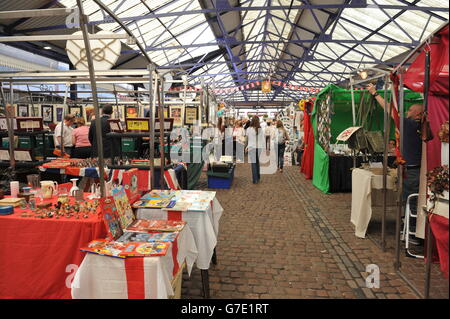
(47, 48)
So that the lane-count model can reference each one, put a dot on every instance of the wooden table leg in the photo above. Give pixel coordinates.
(214, 257)
(205, 283)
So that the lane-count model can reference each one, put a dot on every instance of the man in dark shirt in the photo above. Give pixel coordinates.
(412, 146)
(105, 128)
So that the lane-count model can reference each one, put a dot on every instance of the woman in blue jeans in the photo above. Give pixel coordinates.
(254, 134)
(281, 137)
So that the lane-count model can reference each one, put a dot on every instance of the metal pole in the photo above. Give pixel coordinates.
(151, 142)
(397, 263)
(161, 132)
(385, 168)
(98, 123)
(10, 127)
(353, 117)
(429, 255)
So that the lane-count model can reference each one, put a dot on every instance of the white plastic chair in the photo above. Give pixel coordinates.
(410, 212)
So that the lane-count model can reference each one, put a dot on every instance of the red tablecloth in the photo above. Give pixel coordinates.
(39, 257)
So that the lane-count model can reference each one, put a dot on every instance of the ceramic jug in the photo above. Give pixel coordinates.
(48, 188)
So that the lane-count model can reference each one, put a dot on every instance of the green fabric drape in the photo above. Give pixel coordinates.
(341, 118)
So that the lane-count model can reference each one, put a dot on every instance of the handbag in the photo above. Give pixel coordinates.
(425, 129)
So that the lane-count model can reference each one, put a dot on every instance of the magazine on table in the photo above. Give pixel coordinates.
(154, 203)
(111, 217)
(156, 225)
(122, 250)
(131, 237)
(124, 210)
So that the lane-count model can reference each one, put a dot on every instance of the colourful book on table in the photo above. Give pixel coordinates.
(158, 195)
(154, 203)
(179, 206)
(156, 225)
(122, 250)
(130, 183)
(145, 249)
(111, 217)
(124, 210)
(105, 247)
(130, 237)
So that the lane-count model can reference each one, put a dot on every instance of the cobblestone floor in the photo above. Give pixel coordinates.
(283, 238)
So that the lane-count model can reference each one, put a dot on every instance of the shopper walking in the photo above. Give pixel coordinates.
(239, 136)
(80, 139)
(253, 147)
(281, 137)
(267, 134)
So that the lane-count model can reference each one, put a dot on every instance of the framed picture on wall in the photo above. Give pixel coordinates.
(47, 113)
(166, 113)
(35, 110)
(131, 111)
(22, 110)
(88, 113)
(59, 111)
(190, 115)
(177, 115)
(76, 110)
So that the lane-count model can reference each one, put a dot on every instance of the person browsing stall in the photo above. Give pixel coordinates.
(64, 134)
(105, 129)
(412, 145)
(80, 137)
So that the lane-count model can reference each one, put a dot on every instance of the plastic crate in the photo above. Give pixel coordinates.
(220, 180)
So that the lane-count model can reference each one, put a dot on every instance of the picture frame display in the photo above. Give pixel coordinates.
(166, 113)
(47, 113)
(190, 115)
(59, 111)
(29, 124)
(88, 113)
(131, 111)
(115, 125)
(23, 155)
(76, 110)
(176, 113)
(22, 110)
(138, 124)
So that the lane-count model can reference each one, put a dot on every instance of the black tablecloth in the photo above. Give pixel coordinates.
(340, 174)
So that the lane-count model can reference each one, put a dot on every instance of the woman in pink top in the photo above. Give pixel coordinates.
(82, 146)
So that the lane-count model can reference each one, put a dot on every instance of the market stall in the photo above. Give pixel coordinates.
(81, 231)
(202, 214)
(332, 114)
(39, 249)
(428, 73)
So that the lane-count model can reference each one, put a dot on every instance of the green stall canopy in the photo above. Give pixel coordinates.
(339, 113)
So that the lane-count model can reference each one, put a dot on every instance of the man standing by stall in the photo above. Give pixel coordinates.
(63, 135)
(412, 149)
(105, 128)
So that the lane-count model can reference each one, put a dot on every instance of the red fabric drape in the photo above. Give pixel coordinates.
(414, 76)
(308, 153)
(437, 115)
(439, 226)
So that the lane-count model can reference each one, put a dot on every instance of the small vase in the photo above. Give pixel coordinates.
(74, 186)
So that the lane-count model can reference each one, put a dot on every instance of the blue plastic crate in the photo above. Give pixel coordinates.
(221, 182)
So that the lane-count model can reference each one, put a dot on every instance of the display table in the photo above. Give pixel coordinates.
(204, 226)
(92, 172)
(363, 181)
(340, 173)
(38, 257)
(103, 277)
